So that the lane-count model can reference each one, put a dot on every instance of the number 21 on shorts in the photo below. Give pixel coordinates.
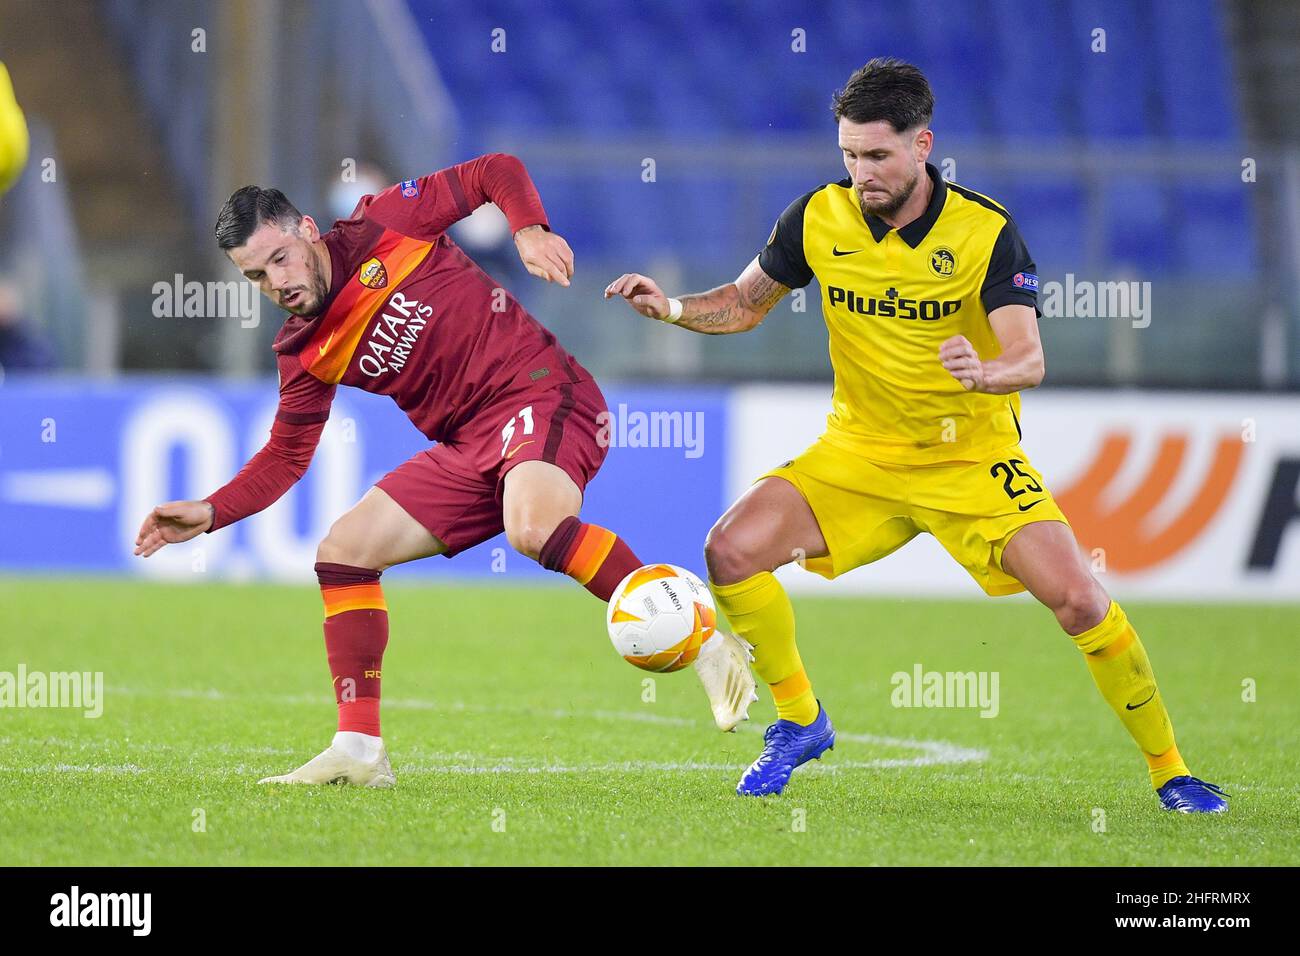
(525, 415)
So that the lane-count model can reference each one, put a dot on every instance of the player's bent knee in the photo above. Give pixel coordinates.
(1082, 606)
(529, 537)
(338, 548)
(726, 558)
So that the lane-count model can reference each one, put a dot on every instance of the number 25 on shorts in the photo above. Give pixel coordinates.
(1005, 469)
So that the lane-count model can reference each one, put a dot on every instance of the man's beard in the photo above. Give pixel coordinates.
(890, 207)
(313, 296)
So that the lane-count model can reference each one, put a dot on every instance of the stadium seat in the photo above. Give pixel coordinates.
(1194, 83)
(1137, 226)
(1213, 230)
(1034, 81)
(1051, 218)
(1111, 86)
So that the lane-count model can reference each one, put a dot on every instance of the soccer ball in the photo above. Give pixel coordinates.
(660, 616)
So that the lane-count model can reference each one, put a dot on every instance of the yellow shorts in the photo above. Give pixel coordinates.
(868, 509)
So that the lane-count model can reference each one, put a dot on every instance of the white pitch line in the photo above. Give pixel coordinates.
(92, 745)
(647, 766)
(463, 762)
(76, 768)
(628, 766)
(932, 752)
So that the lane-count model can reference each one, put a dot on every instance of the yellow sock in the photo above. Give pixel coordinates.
(759, 611)
(1123, 674)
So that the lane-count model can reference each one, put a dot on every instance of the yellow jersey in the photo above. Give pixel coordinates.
(890, 297)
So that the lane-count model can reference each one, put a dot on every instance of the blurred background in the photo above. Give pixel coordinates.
(1163, 149)
(1152, 142)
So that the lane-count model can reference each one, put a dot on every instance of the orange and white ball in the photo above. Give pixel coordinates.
(660, 616)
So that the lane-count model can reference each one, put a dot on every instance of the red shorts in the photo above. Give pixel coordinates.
(455, 489)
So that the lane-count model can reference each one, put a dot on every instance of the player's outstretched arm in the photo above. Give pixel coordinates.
(735, 307)
(428, 206)
(276, 468)
(1019, 365)
(172, 523)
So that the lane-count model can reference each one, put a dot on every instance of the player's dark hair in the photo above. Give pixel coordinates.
(250, 207)
(886, 89)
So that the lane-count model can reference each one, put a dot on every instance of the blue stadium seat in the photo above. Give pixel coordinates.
(1111, 86)
(963, 85)
(1033, 91)
(1213, 231)
(684, 72)
(1193, 78)
(569, 201)
(1137, 226)
(1051, 218)
(675, 108)
(520, 108)
(711, 204)
(599, 108)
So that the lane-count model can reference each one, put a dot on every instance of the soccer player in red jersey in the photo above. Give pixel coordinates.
(386, 302)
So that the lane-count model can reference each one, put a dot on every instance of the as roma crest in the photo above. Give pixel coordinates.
(372, 274)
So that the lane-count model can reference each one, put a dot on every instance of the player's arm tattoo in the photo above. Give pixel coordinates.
(715, 312)
(735, 307)
(761, 292)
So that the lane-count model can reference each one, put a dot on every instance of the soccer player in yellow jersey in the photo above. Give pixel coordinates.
(929, 294)
(13, 134)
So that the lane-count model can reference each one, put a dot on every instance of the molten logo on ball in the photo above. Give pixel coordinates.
(660, 616)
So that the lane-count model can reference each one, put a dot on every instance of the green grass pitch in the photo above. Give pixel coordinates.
(519, 737)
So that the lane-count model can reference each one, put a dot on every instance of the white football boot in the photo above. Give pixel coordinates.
(354, 758)
(723, 666)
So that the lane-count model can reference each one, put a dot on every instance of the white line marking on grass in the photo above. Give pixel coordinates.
(639, 716)
(76, 768)
(211, 693)
(648, 766)
(931, 752)
(75, 744)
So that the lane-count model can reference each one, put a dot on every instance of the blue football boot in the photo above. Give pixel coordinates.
(1192, 795)
(786, 745)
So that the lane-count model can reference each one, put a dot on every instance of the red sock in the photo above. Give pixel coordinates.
(356, 633)
(594, 557)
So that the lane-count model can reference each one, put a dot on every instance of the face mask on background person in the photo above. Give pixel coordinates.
(344, 196)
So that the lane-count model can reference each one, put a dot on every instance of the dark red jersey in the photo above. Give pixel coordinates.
(408, 314)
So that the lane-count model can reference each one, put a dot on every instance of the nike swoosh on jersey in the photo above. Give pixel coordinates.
(511, 453)
(836, 251)
(327, 343)
(1030, 505)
